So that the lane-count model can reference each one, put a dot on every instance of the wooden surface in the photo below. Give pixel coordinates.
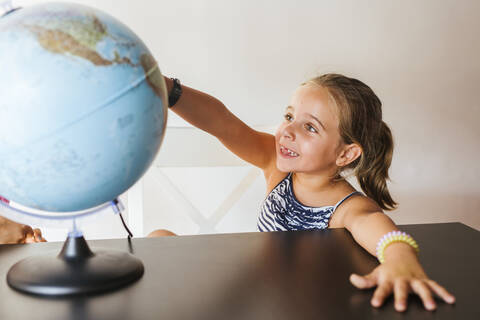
(279, 275)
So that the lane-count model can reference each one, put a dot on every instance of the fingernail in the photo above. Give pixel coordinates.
(430, 306)
(451, 299)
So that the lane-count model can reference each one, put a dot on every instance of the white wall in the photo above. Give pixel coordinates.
(420, 57)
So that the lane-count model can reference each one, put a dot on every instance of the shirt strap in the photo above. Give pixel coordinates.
(348, 196)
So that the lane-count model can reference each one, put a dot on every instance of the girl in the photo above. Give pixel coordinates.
(332, 125)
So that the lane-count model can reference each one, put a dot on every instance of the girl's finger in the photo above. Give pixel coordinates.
(441, 291)
(421, 288)
(400, 291)
(363, 282)
(381, 293)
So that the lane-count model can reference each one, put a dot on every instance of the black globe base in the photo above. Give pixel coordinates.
(76, 270)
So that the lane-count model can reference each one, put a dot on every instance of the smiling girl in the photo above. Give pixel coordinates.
(332, 127)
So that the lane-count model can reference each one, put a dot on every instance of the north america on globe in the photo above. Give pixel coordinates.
(80, 37)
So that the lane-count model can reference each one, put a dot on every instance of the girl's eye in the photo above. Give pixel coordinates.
(310, 128)
(288, 117)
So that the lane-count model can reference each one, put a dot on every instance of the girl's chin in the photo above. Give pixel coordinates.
(283, 167)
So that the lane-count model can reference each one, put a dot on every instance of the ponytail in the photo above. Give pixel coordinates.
(372, 169)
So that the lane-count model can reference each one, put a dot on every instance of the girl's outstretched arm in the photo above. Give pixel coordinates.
(401, 272)
(209, 114)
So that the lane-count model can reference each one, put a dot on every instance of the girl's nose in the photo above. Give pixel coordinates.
(289, 132)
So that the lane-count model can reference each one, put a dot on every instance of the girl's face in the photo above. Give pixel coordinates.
(308, 140)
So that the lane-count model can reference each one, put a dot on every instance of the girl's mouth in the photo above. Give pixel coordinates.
(287, 152)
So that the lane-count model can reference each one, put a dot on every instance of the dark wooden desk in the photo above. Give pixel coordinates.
(298, 275)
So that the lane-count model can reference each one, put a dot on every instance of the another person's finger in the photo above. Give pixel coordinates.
(27, 234)
(160, 233)
(421, 288)
(38, 235)
(29, 239)
(381, 293)
(441, 291)
(400, 292)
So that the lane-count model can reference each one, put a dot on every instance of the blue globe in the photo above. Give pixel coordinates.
(83, 107)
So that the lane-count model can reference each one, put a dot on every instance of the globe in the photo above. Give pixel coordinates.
(83, 107)
(83, 112)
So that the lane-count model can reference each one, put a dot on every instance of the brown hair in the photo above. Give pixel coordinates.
(360, 122)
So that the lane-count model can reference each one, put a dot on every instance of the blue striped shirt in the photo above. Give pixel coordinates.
(281, 211)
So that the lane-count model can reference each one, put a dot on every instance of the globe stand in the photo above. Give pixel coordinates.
(76, 270)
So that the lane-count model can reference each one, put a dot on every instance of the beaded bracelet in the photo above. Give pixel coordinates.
(391, 237)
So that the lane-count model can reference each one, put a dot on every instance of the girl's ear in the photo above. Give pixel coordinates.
(348, 154)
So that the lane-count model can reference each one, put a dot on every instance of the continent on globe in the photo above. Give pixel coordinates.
(78, 38)
(154, 78)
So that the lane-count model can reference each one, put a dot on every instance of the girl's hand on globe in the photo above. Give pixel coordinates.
(12, 232)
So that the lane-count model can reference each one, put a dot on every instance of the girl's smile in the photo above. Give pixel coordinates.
(287, 153)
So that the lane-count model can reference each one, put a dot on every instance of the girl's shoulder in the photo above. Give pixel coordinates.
(273, 176)
(355, 206)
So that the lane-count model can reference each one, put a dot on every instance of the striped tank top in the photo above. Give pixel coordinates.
(281, 211)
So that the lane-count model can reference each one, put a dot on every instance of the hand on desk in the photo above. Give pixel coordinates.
(12, 232)
(400, 274)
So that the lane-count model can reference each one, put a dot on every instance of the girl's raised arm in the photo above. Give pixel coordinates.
(210, 115)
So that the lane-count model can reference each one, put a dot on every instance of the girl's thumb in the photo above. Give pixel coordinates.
(363, 282)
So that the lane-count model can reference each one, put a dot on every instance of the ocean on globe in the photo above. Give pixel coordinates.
(83, 107)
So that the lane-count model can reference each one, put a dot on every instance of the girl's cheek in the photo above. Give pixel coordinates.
(278, 133)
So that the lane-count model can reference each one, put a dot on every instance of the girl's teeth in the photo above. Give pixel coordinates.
(289, 152)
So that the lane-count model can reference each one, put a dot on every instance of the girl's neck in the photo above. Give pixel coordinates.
(317, 191)
(314, 183)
